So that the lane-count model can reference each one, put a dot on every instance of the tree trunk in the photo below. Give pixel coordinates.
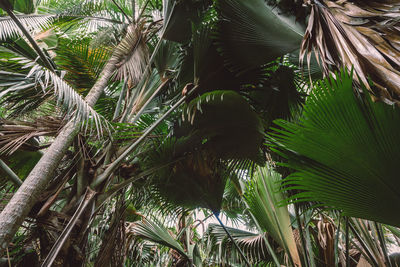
(23, 200)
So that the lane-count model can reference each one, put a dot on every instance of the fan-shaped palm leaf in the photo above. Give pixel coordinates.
(345, 150)
(157, 233)
(221, 247)
(230, 126)
(251, 33)
(264, 197)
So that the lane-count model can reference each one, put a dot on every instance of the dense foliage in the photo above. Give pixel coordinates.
(133, 132)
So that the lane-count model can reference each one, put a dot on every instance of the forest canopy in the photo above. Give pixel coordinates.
(199, 133)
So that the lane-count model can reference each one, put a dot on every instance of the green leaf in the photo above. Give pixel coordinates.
(251, 33)
(345, 151)
(264, 198)
(222, 248)
(32, 22)
(229, 125)
(156, 232)
(24, 6)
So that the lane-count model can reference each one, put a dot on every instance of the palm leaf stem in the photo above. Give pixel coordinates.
(142, 11)
(382, 243)
(347, 241)
(309, 246)
(336, 250)
(117, 110)
(89, 195)
(233, 240)
(80, 173)
(302, 238)
(11, 174)
(363, 245)
(31, 40)
(137, 116)
(122, 11)
(120, 99)
(113, 166)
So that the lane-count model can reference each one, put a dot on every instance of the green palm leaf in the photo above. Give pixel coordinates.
(15, 87)
(156, 232)
(253, 33)
(264, 197)
(345, 151)
(221, 247)
(9, 29)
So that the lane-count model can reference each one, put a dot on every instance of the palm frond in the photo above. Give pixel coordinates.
(225, 118)
(14, 134)
(82, 62)
(83, 17)
(224, 252)
(132, 55)
(370, 247)
(363, 34)
(17, 86)
(157, 233)
(345, 151)
(264, 197)
(166, 60)
(251, 33)
(71, 100)
(33, 23)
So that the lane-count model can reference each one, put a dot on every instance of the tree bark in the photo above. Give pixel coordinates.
(23, 200)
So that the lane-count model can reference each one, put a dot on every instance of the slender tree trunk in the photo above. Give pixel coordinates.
(23, 200)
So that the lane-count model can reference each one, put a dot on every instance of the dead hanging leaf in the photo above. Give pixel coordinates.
(131, 55)
(326, 239)
(14, 134)
(364, 35)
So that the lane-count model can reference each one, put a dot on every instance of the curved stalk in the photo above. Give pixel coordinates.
(11, 174)
(347, 241)
(67, 230)
(233, 240)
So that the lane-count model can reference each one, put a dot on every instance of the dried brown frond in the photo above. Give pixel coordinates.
(132, 54)
(14, 134)
(364, 35)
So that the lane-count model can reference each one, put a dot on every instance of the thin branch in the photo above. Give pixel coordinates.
(363, 245)
(64, 235)
(383, 243)
(233, 240)
(122, 11)
(11, 174)
(347, 241)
